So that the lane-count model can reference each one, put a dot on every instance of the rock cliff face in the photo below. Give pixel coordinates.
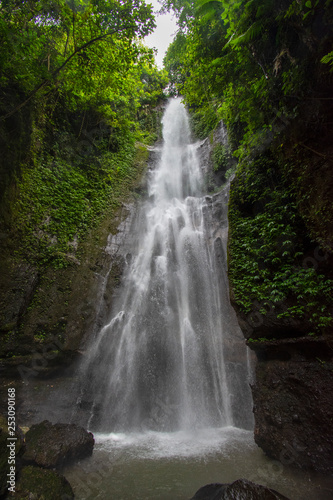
(67, 187)
(58, 308)
(47, 313)
(215, 158)
(293, 402)
(280, 270)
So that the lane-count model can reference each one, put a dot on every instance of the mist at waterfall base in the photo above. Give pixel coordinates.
(165, 386)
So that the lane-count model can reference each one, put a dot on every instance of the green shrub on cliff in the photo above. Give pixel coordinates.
(268, 248)
(60, 199)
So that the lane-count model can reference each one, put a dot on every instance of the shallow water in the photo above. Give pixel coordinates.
(173, 466)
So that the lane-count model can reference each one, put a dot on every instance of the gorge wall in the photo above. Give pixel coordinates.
(280, 269)
(280, 272)
(68, 188)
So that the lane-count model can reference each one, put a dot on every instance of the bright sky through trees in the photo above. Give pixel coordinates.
(163, 34)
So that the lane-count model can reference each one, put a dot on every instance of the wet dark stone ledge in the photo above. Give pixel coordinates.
(307, 347)
(242, 489)
(292, 398)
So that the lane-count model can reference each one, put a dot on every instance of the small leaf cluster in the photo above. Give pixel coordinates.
(220, 158)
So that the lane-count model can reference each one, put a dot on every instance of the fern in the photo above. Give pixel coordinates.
(328, 59)
(252, 32)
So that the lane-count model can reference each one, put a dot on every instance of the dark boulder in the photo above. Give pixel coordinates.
(51, 445)
(242, 489)
(210, 492)
(8, 449)
(293, 407)
(42, 484)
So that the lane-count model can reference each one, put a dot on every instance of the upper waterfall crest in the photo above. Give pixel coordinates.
(178, 174)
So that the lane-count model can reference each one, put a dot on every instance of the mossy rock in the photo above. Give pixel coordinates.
(3, 462)
(42, 484)
(4, 452)
(49, 445)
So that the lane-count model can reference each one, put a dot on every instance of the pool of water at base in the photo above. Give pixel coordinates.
(173, 466)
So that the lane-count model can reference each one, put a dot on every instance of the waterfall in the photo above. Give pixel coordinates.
(171, 357)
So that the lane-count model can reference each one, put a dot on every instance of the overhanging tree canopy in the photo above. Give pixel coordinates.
(43, 41)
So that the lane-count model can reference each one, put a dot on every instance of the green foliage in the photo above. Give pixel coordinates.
(203, 121)
(230, 172)
(85, 51)
(60, 199)
(184, 10)
(328, 59)
(248, 63)
(148, 117)
(266, 248)
(220, 157)
(88, 88)
(173, 63)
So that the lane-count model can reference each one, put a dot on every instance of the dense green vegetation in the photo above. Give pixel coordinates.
(264, 68)
(272, 263)
(61, 198)
(248, 62)
(77, 94)
(80, 100)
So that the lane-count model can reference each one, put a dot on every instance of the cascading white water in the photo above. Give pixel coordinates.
(160, 362)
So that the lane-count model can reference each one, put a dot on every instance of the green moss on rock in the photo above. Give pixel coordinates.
(4, 453)
(42, 484)
(3, 461)
(50, 445)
